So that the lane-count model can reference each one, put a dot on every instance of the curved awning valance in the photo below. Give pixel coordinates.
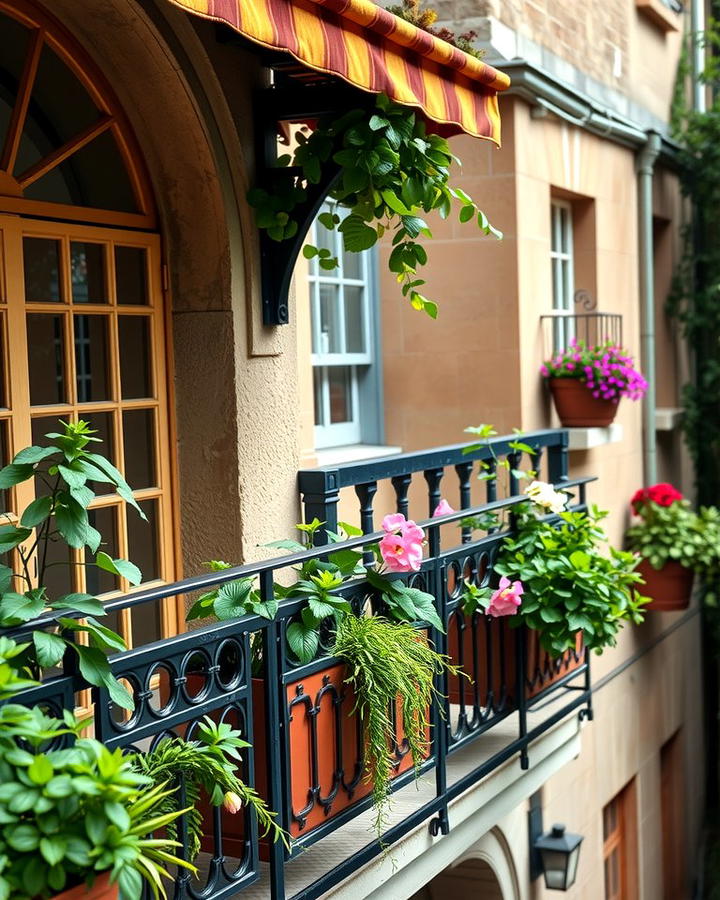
(374, 50)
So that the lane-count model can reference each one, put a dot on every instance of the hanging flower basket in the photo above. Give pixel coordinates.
(670, 587)
(587, 383)
(576, 406)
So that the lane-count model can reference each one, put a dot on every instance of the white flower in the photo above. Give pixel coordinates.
(545, 495)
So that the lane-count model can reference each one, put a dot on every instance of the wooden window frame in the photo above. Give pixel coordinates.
(623, 840)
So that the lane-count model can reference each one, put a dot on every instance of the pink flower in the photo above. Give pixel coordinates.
(394, 522)
(232, 802)
(506, 600)
(401, 552)
(443, 509)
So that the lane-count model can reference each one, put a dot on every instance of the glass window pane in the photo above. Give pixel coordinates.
(339, 381)
(143, 540)
(104, 425)
(355, 341)
(92, 358)
(131, 275)
(135, 377)
(565, 229)
(46, 359)
(139, 439)
(104, 520)
(87, 272)
(318, 395)
(4, 460)
(41, 261)
(330, 337)
(146, 623)
(353, 265)
(59, 571)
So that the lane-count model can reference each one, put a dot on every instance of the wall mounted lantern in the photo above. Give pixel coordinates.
(554, 854)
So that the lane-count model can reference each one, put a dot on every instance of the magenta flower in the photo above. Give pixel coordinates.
(393, 522)
(443, 509)
(506, 600)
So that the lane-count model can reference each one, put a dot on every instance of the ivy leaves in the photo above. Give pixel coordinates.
(391, 173)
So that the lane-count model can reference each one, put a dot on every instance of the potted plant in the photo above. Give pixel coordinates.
(327, 690)
(674, 543)
(587, 383)
(77, 821)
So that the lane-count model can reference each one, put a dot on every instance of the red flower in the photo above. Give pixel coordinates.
(663, 494)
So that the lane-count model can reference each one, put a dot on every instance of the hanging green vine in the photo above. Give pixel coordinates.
(694, 298)
(391, 172)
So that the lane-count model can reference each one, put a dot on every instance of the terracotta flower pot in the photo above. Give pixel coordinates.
(101, 890)
(577, 407)
(670, 587)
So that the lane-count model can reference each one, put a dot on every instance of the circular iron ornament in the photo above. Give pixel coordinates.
(483, 569)
(584, 298)
(132, 686)
(161, 677)
(453, 580)
(230, 664)
(193, 691)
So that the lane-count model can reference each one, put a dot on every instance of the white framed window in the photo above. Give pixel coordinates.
(345, 344)
(563, 271)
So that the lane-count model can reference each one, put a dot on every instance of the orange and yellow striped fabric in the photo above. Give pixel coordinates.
(376, 51)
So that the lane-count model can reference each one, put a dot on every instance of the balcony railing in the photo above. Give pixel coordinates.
(308, 748)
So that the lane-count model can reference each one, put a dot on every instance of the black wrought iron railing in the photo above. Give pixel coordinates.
(308, 746)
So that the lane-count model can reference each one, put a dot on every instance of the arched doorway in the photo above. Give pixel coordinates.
(82, 322)
(469, 880)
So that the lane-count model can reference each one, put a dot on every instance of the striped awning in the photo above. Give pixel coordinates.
(374, 50)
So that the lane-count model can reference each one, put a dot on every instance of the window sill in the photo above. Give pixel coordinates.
(353, 453)
(667, 418)
(587, 438)
(659, 14)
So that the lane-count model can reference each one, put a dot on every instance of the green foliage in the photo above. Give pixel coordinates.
(391, 173)
(489, 471)
(676, 532)
(693, 301)
(570, 584)
(67, 815)
(232, 599)
(65, 468)
(389, 663)
(207, 765)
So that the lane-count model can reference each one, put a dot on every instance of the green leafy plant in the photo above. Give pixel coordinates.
(391, 173)
(231, 600)
(207, 766)
(668, 529)
(389, 663)
(573, 581)
(68, 815)
(64, 469)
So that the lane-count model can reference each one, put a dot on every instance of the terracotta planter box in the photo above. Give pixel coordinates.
(326, 757)
(670, 587)
(482, 641)
(542, 670)
(577, 407)
(101, 890)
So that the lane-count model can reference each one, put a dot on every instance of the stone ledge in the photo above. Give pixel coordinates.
(667, 418)
(587, 438)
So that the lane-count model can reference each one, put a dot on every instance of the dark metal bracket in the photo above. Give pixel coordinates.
(293, 103)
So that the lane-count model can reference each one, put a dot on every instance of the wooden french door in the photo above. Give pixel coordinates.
(82, 336)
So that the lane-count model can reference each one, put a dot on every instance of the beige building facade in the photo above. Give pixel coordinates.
(234, 403)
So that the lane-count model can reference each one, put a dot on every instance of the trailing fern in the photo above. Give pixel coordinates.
(389, 663)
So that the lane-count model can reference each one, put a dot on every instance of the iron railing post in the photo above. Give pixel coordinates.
(320, 496)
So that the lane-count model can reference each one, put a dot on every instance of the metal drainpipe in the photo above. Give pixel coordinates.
(645, 166)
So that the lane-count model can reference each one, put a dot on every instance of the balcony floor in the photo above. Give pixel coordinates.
(351, 837)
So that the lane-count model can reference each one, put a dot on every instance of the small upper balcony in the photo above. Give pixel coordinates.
(494, 736)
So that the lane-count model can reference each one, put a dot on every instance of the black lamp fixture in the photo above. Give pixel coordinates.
(554, 854)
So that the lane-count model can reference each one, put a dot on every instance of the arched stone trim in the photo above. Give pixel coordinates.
(493, 849)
